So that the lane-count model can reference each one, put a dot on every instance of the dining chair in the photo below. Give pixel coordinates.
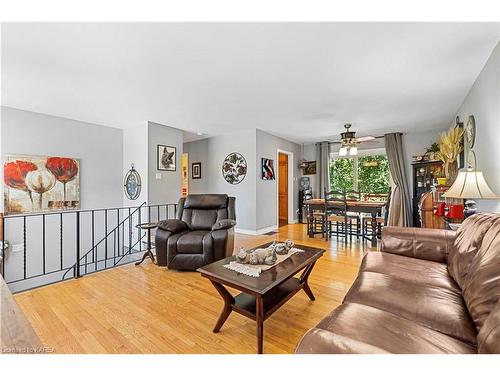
(380, 221)
(353, 195)
(315, 221)
(336, 213)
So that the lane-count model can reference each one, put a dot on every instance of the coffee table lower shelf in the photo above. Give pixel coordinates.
(246, 304)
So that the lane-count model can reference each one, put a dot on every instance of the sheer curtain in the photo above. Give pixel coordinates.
(323, 157)
(400, 208)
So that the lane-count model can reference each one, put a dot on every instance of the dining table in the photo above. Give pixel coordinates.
(372, 208)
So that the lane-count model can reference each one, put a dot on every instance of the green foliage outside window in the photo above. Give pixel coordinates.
(372, 171)
(342, 174)
(373, 174)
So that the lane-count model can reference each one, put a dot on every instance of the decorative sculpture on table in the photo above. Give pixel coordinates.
(266, 255)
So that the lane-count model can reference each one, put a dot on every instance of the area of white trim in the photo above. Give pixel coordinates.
(256, 232)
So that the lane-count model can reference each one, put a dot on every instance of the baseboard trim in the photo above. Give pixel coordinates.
(256, 232)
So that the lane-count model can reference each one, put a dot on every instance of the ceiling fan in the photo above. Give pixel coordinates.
(349, 141)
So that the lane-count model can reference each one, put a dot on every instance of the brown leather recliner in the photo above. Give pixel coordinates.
(202, 233)
(427, 291)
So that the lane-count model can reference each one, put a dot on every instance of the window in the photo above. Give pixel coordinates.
(368, 174)
(373, 174)
(342, 174)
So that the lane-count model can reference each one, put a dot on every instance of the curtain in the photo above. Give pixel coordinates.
(323, 152)
(400, 207)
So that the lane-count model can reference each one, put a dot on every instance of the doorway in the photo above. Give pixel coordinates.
(282, 189)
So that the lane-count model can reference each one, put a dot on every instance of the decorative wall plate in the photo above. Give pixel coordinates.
(234, 168)
(470, 131)
(132, 184)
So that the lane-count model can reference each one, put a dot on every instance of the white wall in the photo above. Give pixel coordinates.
(100, 153)
(168, 188)
(310, 154)
(483, 101)
(198, 153)
(256, 199)
(267, 195)
(415, 144)
(211, 153)
(98, 148)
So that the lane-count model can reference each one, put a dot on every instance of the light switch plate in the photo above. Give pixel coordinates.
(17, 248)
(158, 176)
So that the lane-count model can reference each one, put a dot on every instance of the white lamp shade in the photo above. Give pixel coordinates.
(343, 151)
(353, 151)
(470, 185)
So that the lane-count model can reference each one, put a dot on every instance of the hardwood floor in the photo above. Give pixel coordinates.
(148, 309)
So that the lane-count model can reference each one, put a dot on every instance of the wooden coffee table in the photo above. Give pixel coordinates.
(261, 296)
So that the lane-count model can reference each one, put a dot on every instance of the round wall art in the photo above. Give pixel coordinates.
(234, 168)
(132, 184)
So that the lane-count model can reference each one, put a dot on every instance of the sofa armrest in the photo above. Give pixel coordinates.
(421, 243)
(173, 225)
(223, 224)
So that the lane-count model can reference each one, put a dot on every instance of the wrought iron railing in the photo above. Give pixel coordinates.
(45, 248)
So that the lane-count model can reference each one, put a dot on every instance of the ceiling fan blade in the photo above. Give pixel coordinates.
(365, 139)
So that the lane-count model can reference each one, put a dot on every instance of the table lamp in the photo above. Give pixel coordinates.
(470, 184)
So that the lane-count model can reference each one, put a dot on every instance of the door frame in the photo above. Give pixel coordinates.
(291, 189)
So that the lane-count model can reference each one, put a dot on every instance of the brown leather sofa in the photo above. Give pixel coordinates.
(427, 291)
(202, 233)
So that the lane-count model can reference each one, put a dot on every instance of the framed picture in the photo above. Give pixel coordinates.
(267, 169)
(196, 171)
(35, 183)
(167, 158)
(310, 167)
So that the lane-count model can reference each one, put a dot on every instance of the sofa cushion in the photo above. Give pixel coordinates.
(439, 308)
(467, 243)
(481, 284)
(355, 328)
(193, 242)
(488, 338)
(411, 269)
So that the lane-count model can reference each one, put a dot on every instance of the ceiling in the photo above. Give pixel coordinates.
(301, 81)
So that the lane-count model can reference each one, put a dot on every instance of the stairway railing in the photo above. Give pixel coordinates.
(46, 247)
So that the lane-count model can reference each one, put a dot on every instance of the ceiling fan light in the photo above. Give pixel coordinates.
(343, 151)
(353, 151)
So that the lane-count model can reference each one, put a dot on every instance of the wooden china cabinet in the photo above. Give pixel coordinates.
(424, 174)
(430, 208)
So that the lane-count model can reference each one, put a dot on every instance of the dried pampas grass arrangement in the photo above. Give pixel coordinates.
(450, 147)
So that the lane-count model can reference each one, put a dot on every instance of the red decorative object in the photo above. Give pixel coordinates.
(64, 170)
(440, 209)
(455, 211)
(14, 174)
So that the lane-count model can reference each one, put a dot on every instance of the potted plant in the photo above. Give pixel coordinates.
(450, 148)
(432, 151)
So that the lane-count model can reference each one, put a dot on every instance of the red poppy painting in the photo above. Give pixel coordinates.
(40, 183)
